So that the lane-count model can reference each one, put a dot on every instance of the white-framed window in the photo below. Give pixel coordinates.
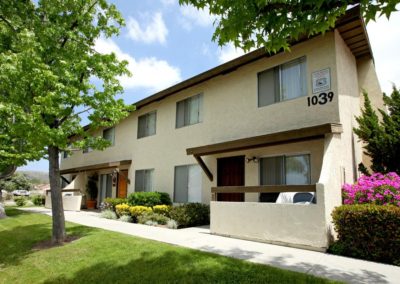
(187, 184)
(284, 170)
(147, 124)
(144, 180)
(189, 111)
(283, 82)
(109, 134)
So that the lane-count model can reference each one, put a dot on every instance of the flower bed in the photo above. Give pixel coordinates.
(376, 189)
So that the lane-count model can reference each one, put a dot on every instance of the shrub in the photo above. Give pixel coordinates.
(376, 189)
(368, 231)
(108, 214)
(38, 199)
(20, 201)
(191, 214)
(172, 224)
(164, 198)
(162, 209)
(125, 218)
(153, 217)
(110, 203)
(122, 209)
(149, 199)
(137, 211)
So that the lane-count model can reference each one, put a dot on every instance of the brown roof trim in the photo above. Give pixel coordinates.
(284, 137)
(102, 166)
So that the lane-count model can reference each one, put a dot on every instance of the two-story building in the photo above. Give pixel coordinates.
(240, 135)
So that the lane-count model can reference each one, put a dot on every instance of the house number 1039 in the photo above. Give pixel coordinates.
(321, 99)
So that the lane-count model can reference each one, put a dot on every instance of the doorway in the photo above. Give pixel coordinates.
(230, 172)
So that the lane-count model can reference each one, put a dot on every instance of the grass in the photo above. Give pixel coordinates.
(100, 256)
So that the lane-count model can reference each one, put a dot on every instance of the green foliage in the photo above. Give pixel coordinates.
(125, 218)
(20, 201)
(138, 210)
(149, 199)
(122, 209)
(369, 232)
(191, 214)
(153, 217)
(38, 199)
(110, 203)
(273, 24)
(162, 209)
(108, 214)
(15, 182)
(381, 137)
(48, 60)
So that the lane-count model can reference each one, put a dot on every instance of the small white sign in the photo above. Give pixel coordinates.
(321, 80)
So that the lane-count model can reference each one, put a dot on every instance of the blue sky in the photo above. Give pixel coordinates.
(165, 43)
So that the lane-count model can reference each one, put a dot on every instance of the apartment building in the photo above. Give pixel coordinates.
(241, 134)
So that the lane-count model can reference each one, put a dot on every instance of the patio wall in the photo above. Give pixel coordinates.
(295, 225)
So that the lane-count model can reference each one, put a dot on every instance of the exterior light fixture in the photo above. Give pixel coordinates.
(251, 159)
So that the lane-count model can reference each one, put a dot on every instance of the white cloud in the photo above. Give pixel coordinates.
(194, 17)
(229, 52)
(384, 36)
(155, 30)
(168, 2)
(149, 72)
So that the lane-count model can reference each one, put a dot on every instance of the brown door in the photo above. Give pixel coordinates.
(230, 172)
(122, 184)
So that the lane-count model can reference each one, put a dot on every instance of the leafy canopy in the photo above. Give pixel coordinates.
(272, 24)
(381, 136)
(15, 182)
(48, 68)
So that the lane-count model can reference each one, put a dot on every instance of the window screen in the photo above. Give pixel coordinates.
(189, 111)
(147, 124)
(284, 82)
(109, 134)
(144, 180)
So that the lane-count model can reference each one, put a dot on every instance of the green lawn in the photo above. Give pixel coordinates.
(106, 257)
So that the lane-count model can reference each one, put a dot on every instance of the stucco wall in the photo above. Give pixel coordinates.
(289, 224)
(230, 111)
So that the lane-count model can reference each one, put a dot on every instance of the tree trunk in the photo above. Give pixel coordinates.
(56, 196)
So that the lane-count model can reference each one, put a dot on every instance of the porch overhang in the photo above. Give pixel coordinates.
(277, 138)
(101, 166)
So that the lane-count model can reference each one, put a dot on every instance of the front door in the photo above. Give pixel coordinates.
(230, 172)
(122, 184)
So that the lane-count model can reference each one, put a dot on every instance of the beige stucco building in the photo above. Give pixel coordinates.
(237, 135)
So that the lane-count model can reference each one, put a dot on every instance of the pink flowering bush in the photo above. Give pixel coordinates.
(379, 189)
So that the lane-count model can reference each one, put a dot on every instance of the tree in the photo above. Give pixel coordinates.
(15, 182)
(273, 24)
(381, 136)
(50, 74)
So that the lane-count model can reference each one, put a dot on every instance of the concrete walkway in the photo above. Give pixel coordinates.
(320, 264)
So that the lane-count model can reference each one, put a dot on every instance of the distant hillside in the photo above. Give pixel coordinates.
(36, 177)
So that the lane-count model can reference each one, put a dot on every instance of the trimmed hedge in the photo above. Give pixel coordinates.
(110, 203)
(370, 232)
(149, 199)
(191, 214)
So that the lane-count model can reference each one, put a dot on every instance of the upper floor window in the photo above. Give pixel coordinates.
(283, 82)
(109, 134)
(147, 124)
(189, 111)
(144, 180)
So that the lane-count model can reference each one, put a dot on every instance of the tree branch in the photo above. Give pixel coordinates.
(8, 23)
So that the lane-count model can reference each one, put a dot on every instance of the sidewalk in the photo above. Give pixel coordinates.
(320, 264)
